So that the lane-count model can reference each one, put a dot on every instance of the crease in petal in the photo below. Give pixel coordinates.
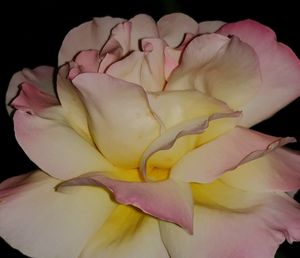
(229, 151)
(167, 200)
(170, 137)
(32, 214)
(119, 115)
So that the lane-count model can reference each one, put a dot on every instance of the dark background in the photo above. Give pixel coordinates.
(31, 34)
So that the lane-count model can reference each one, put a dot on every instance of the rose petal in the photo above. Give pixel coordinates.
(72, 106)
(32, 100)
(171, 137)
(174, 26)
(237, 235)
(279, 170)
(89, 35)
(225, 69)
(225, 153)
(280, 70)
(174, 107)
(42, 223)
(119, 116)
(210, 26)
(127, 233)
(143, 68)
(41, 77)
(56, 148)
(167, 200)
(245, 224)
(142, 26)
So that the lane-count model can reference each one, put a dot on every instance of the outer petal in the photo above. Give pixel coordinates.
(57, 148)
(43, 223)
(236, 235)
(119, 116)
(89, 35)
(280, 69)
(167, 149)
(41, 77)
(277, 171)
(210, 26)
(173, 27)
(244, 224)
(72, 106)
(227, 152)
(226, 69)
(127, 233)
(167, 200)
(32, 100)
(145, 68)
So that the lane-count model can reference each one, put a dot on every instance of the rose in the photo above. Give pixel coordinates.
(147, 116)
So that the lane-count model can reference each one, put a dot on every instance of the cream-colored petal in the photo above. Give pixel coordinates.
(173, 27)
(210, 26)
(127, 233)
(145, 68)
(209, 161)
(56, 148)
(167, 149)
(121, 122)
(226, 69)
(43, 223)
(89, 35)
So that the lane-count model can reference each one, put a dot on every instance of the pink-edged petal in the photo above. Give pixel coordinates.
(145, 68)
(33, 100)
(87, 61)
(209, 26)
(167, 200)
(89, 35)
(174, 26)
(43, 223)
(279, 170)
(56, 148)
(72, 106)
(127, 234)
(40, 77)
(235, 234)
(142, 26)
(227, 152)
(280, 70)
(226, 69)
(170, 138)
(119, 116)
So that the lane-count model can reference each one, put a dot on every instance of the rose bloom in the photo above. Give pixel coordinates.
(143, 141)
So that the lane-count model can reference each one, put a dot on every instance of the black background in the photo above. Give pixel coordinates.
(31, 34)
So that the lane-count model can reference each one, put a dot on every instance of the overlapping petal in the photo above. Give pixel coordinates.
(167, 200)
(43, 223)
(89, 35)
(279, 66)
(40, 77)
(229, 151)
(119, 115)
